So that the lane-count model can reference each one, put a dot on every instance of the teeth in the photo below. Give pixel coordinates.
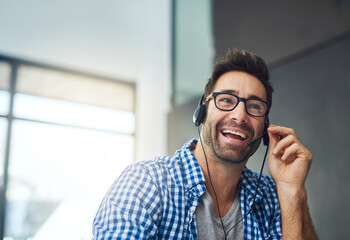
(242, 135)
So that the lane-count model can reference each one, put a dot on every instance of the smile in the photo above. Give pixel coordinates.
(235, 133)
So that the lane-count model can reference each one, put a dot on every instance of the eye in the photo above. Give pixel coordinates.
(226, 100)
(255, 106)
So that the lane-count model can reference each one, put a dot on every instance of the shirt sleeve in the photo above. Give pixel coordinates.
(276, 228)
(131, 209)
(275, 222)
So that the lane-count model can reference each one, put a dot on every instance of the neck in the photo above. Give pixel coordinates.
(224, 177)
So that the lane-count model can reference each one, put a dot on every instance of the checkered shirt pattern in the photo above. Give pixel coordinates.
(157, 200)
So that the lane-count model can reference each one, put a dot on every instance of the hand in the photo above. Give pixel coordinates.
(289, 160)
(289, 163)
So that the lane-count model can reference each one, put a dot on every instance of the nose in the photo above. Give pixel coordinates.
(239, 114)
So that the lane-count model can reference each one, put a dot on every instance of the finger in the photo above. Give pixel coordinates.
(290, 153)
(273, 140)
(281, 131)
(284, 143)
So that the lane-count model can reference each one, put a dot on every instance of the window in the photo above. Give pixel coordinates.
(3, 127)
(71, 136)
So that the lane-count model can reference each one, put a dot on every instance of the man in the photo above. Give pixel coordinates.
(205, 191)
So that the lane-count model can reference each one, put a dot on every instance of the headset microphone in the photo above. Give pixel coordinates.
(252, 142)
(264, 136)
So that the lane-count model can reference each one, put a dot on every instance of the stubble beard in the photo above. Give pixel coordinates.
(222, 152)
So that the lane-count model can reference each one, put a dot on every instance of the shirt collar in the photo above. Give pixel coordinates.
(194, 177)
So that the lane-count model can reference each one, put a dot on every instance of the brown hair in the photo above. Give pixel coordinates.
(241, 61)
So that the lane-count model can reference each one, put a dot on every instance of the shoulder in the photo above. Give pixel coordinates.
(133, 205)
(151, 177)
(132, 200)
(138, 177)
(136, 202)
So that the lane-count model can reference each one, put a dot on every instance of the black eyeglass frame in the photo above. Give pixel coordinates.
(239, 99)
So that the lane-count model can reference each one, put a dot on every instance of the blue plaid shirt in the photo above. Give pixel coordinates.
(157, 200)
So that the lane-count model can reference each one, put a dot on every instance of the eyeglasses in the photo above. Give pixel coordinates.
(228, 102)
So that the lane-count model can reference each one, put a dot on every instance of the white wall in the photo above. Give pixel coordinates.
(126, 40)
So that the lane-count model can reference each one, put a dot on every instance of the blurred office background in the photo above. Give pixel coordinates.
(88, 87)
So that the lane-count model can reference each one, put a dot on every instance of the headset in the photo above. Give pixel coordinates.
(200, 112)
(198, 117)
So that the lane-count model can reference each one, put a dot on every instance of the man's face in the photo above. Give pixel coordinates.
(227, 133)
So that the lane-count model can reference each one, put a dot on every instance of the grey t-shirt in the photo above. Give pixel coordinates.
(209, 225)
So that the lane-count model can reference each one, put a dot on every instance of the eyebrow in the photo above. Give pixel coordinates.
(235, 92)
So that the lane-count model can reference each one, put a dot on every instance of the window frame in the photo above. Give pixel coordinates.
(15, 64)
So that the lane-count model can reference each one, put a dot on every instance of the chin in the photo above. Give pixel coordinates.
(232, 158)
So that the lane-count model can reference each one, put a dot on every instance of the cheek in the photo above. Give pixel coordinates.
(259, 128)
(209, 127)
(211, 122)
(213, 116)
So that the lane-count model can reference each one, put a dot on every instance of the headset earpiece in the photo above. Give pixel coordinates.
(199, 113)
(266, 139)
